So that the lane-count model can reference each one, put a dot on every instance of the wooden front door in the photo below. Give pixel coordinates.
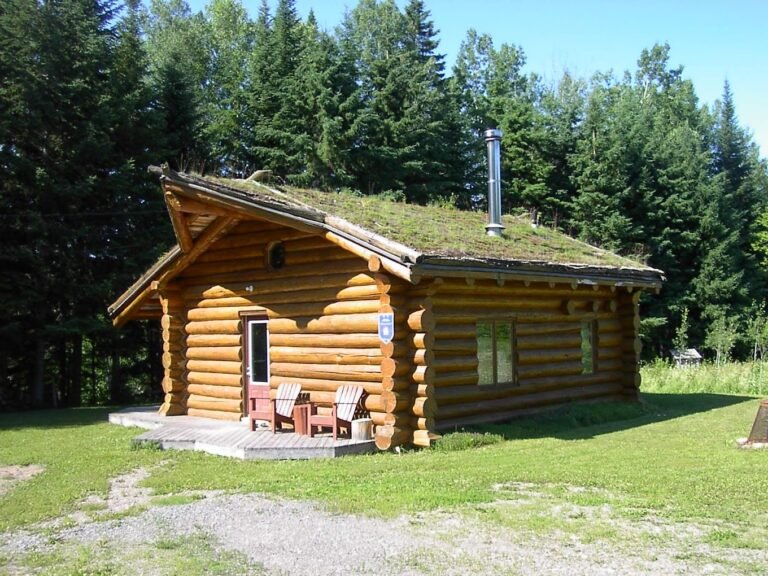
(256, 366)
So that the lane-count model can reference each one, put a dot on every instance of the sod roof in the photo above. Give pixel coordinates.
(439, 231)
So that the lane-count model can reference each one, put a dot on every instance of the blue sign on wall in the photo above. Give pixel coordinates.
(386, 327)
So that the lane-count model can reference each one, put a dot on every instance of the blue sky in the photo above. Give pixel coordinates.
(713, 40)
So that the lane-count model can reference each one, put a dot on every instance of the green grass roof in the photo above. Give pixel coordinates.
(442, 230)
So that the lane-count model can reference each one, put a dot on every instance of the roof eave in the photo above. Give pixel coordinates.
(574, 274)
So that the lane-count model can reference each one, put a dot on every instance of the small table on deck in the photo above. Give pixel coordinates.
(301, 413)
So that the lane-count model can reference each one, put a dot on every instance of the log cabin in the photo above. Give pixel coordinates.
(442, 324)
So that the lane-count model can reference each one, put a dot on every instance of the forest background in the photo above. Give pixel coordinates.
(94, 91)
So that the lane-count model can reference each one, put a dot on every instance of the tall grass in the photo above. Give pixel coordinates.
(745, 378)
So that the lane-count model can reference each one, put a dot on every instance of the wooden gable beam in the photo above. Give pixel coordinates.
(187, 205)
(180, 227)
(214, 230)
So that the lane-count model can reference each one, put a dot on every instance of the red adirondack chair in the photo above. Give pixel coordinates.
(283, 403)
(346, 407)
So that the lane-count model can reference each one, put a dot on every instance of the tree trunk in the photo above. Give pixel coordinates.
(38, 372)
(76, 371)
(115, 377)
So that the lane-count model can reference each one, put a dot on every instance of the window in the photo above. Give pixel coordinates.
(257, 361)
(588, 347)
(496, 352)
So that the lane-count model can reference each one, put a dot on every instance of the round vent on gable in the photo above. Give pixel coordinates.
(275, 256)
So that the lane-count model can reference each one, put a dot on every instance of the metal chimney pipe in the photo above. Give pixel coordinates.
(493, 141)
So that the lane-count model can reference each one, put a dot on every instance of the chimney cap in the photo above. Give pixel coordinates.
(492, 134)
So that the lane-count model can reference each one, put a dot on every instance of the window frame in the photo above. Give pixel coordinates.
(589, 350)
(514, 362)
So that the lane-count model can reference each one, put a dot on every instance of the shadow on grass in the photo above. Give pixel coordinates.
(582, 421)
(61, 418)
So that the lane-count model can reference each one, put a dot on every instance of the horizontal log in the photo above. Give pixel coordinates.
(339, 324)
(269, 284)
(567, 381)
(421, 321)
(396, 349)
(230, 392)
(609, 353)
(425, 424)
(446, 330)
(455, 363)
(518, 289)
(259, 275)
(213, 340)
(421, 340)
(455, 378)
(608, 325)
(424, 407)
(172, 409)
(214, 379)
(548, 342)
(396, 384)
(326, 355)
(394, 402)
(171, 323)
(388, 437)
(171, 361)
(217, 414)
(359, 373)
(423, 357)
(455, 345)
(325, 385)
(544, 398)
(507, 303)
(245, 252)
(393, 368)
(424, 438)
(400, 420)
(289, 310)
(538, 329)
(366, 292)
(231, 327)
(228, 353)
(321, 340)
(425, 390)
(544, 370)
(548, 356)
(522, 316)
(215, 366)
(326, 255)
(173, 383)
(611, 365)
(176, 398)
(423, 375)
(214, 404)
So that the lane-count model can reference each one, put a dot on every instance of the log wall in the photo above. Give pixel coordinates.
(548, 320)
(174, 357)
(322, 309)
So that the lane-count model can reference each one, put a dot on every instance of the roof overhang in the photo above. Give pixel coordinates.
(202, 210)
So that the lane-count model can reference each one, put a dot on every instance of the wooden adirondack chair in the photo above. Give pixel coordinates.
(258, 404)
(346, 406)
(283, 403)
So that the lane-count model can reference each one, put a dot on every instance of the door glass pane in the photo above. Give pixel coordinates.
(484, 353)
(504, 361)
(258, 352)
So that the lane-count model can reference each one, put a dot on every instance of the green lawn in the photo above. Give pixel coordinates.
(672, 457)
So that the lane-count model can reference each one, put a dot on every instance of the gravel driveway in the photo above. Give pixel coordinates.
(276, 536)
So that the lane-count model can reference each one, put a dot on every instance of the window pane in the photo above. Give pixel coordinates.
(484, 353)
(505, 367)
(587, 348)
(258, 366)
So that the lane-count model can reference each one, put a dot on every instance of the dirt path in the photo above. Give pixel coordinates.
(274, 536)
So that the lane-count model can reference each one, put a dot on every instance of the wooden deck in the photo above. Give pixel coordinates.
(232, 439)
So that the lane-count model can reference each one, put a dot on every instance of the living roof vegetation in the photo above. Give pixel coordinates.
(438, 230)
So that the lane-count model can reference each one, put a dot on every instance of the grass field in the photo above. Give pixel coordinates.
(672, 457)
